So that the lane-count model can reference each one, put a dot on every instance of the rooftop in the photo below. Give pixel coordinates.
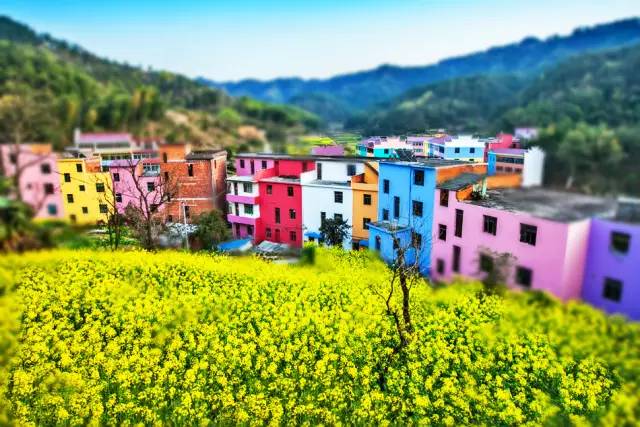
(241, 178)
(282, 179)
(459, 141)
(306, 157)
(461, 181)
(328, 183)
(432, 162)
(104, 137)
(554, 205)
(205, 154)
(628, 210)
(512, 151)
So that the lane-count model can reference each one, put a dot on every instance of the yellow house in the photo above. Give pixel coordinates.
(365, 202)
(86, 190)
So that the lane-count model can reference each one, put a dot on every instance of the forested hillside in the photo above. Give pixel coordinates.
(84, 90)
(354, 92)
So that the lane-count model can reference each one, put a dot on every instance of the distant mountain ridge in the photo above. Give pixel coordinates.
(358, 91)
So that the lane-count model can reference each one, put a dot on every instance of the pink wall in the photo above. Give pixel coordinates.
(557, 259)
(34, 178)
(257, 165)
(127, 188)
(328, 150)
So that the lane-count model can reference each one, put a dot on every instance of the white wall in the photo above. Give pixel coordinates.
(533, 168)
(316, 199)
(254, 190)
(337, 171)
(232, 210)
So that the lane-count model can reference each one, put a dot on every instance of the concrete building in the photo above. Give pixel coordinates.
(526, 162)
(38, 177)
(86, 190)
(385, 147)
(150, 184)
(545, 231)
(463, 147)
(502, 140)
(364, 187)
(612, 275)
(327, 193)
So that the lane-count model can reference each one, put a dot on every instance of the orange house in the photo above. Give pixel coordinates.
(365, 203)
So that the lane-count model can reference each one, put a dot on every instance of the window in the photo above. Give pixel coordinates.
(237, 206)
(100, 187)
(386, 151)
(268, 233)
(45, 168)
(442, 232)
(250, 230)
(351, 170)
(528, 234)
(337, 196)
(366, 199)
(337, 217)
(235, 188)
(269, 189)
(165, 158)
(319, 171)
(396, 207)
(119, 197)
(440, 266)
(187, 212)
(78, 167)
(524, 276)
(67, 177)
(385, 214)
(456, 150)
(13, 159)
(248, 209)
(292, 236)
(170, 218)
(290, 191)
(247, 187)
(459, 219)
(264, 164)
(292, 214)
(418, 177)
(444, 197)
(253, 167)
(81, 187)
(486, 263)
(190, 169)
(150, 186)
(385, 186)
(242, 163)
(620, 242)
(365, 223)
(490, 224)
(472, 150)
(323, 216)
(69, 198)
(417, 208)
(73, 218)
(416, 240)
(378, 243)
(612, 289)
(103, 208)
(116, 177)
(52, 209)
(277, 235)
(48, 188)
(456, 259)
(277, 215)
(85, 210)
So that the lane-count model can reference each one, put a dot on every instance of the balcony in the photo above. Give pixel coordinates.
(245, 199)
(236, 219)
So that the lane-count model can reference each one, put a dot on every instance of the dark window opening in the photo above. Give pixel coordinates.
(365, 223)
(385, 186)
(190, 170)
(268, 233)
(620, 242)
(48, 188)
(269, 189)
(396, 207)
(442, 232)
(444, 197)
(337, 217)
(524, 276)
(323, 217)
(69, 198)
(45, 168)
(277, 215)
(417, 208)
(440, 266)
(264, 164)
(612, 289)
(100, 187)
(456, 259)
(85, 210)
(378, 243)
(528, 234)
(366, 199)
(150, 186)
(290, 191)
(103, 208)
(292, 236)
(490, 224)
(242, 163)
(116, 177)
(119, 197)
(67, 177)
(337, 196)
(418, 177)
(165, 158)
(292, 213)
(459, 221)
(52, 209)
(385, 214)
(416, 240)
(82, 187)
(351, 170)
(319, 171)
(78, 167)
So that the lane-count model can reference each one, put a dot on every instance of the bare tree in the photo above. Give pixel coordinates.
(497, 268)
(150, 191)
(115, 220)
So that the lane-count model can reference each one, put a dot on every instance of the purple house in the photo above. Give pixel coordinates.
(39, 180)
(612, 273)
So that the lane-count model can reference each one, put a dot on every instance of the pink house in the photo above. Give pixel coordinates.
(126, 192)
(328, 150)
(502, 140)
(545, 231)
(39, 179)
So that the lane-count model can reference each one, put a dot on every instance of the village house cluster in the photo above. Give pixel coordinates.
(457, 201)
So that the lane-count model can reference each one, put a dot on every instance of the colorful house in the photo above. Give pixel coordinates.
(87, 192)
(37, 167)
(529, 163)
(364, 187)
(385, 147)
(405, 206)
(108, 145)
(612, 275)
(147, 185)
(463, 147)
(546, 232)
(502, 140)
(327, 193)
(199, 178)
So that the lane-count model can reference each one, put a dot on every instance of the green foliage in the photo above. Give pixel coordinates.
(212, 229)
(334, 231)
(136, 337)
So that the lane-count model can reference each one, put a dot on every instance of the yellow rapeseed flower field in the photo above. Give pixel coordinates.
(173, 338)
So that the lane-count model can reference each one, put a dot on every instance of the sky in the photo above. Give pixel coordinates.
(231, 40)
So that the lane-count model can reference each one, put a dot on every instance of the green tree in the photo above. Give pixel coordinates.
(212, 229)
(334, 231)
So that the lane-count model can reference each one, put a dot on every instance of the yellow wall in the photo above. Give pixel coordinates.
(90, 198)
(366, 183)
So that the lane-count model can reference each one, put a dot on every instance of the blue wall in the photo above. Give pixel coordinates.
(401, 178)
(491, 167)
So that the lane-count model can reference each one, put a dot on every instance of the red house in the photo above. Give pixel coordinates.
(503, 140)
(281, 203)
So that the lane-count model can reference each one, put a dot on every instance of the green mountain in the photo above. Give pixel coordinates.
(362, 90)
(85, 90)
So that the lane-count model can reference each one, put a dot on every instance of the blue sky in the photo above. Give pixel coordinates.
(230, 40)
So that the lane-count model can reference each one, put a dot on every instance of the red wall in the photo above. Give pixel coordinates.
(280, 199)
(293, 167)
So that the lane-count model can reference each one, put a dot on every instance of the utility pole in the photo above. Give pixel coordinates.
(184, 220)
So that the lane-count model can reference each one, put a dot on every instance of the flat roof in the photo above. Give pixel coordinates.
(321, 182)
(242, 178)
(314, 157)
(433, 163)
(543, 203)
(205, 154)
(511, 151)
(461, 181)
(283, 179)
